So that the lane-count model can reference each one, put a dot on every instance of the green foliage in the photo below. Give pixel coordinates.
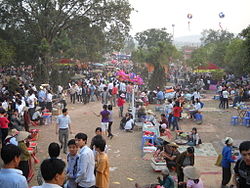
(55, 77)
(129, 45)
(158, 78)
(155, 49)
(6, 53)
(198, 58)
(72, 28)
(41, 75)
(218, 74)
(65, 77)
(213, 36)
(235, 57)
(12, 85)
(246, 46)
(151, 37)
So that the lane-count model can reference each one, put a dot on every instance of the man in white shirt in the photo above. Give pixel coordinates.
(49, 98)
(53, 173)
(196, 95)
(225, 95)
(31, 102)
(63, 127)
(85, 177)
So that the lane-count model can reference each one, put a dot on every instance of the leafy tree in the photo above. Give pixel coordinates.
(158, 78)
(6, 52)
(246, 46)
(55, 77)
(198, 58)
(213, 36)
(155, 48)
(45, 21)
(12, 85)
(151, 37)
(235, 57)
(129, 45)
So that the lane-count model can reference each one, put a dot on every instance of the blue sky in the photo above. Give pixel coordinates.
(164, 13)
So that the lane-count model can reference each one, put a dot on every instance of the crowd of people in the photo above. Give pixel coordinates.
(89, 166)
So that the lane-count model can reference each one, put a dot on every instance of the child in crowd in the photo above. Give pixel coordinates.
(110, 108)
(22, 139)
(194, 138)
(4, 124)
(102, 164)
(129, 124)
(120, 104)
(54, 152)
(72, 159)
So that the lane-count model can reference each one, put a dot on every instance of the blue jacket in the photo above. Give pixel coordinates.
(227, 157)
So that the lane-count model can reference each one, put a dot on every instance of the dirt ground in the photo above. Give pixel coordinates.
(127, 165)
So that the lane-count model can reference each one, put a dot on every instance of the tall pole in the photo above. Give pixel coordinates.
(133, 102)
(173, 30)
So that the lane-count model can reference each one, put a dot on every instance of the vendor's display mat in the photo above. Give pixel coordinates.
(205, 149)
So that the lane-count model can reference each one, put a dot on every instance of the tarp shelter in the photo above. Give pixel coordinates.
(208, 68)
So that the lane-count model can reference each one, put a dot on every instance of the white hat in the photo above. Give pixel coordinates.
(173, 144)
(14, 132)
(38, 108)
(150, 112)
(191, 172)
(41, 87)
(139, 100)
(122, 95)
(165, 171)
(164, 126)
(165, 138)
(228, 140)
(22, 135)
(143, 94)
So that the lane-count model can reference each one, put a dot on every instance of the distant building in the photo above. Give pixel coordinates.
(187, 51)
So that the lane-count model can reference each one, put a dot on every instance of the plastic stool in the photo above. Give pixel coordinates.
(246, 121)
(234, 120)
(198, 116)
(144, 138)
(48, 119)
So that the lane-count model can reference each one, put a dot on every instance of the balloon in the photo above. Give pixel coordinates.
(221, 15)
(189, 16)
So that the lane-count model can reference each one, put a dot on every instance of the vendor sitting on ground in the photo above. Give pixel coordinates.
(141, 112)
(172, 156)
(11, 138)
(166, 182)
(196, 108)
(129, 125)
(37, 116)
(151, 117)
(194, 138)
(163, 120)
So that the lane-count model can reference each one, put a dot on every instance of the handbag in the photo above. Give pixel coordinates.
(218, 160)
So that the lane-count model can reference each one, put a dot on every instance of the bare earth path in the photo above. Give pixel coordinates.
(124, 152)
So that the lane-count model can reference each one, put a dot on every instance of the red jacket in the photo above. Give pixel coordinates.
(4, 122)
(120, 102)
(177, 111)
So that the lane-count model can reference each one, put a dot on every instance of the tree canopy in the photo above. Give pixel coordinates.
(224, 49)
(155, 48)
(91, 25)
(151, 37)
